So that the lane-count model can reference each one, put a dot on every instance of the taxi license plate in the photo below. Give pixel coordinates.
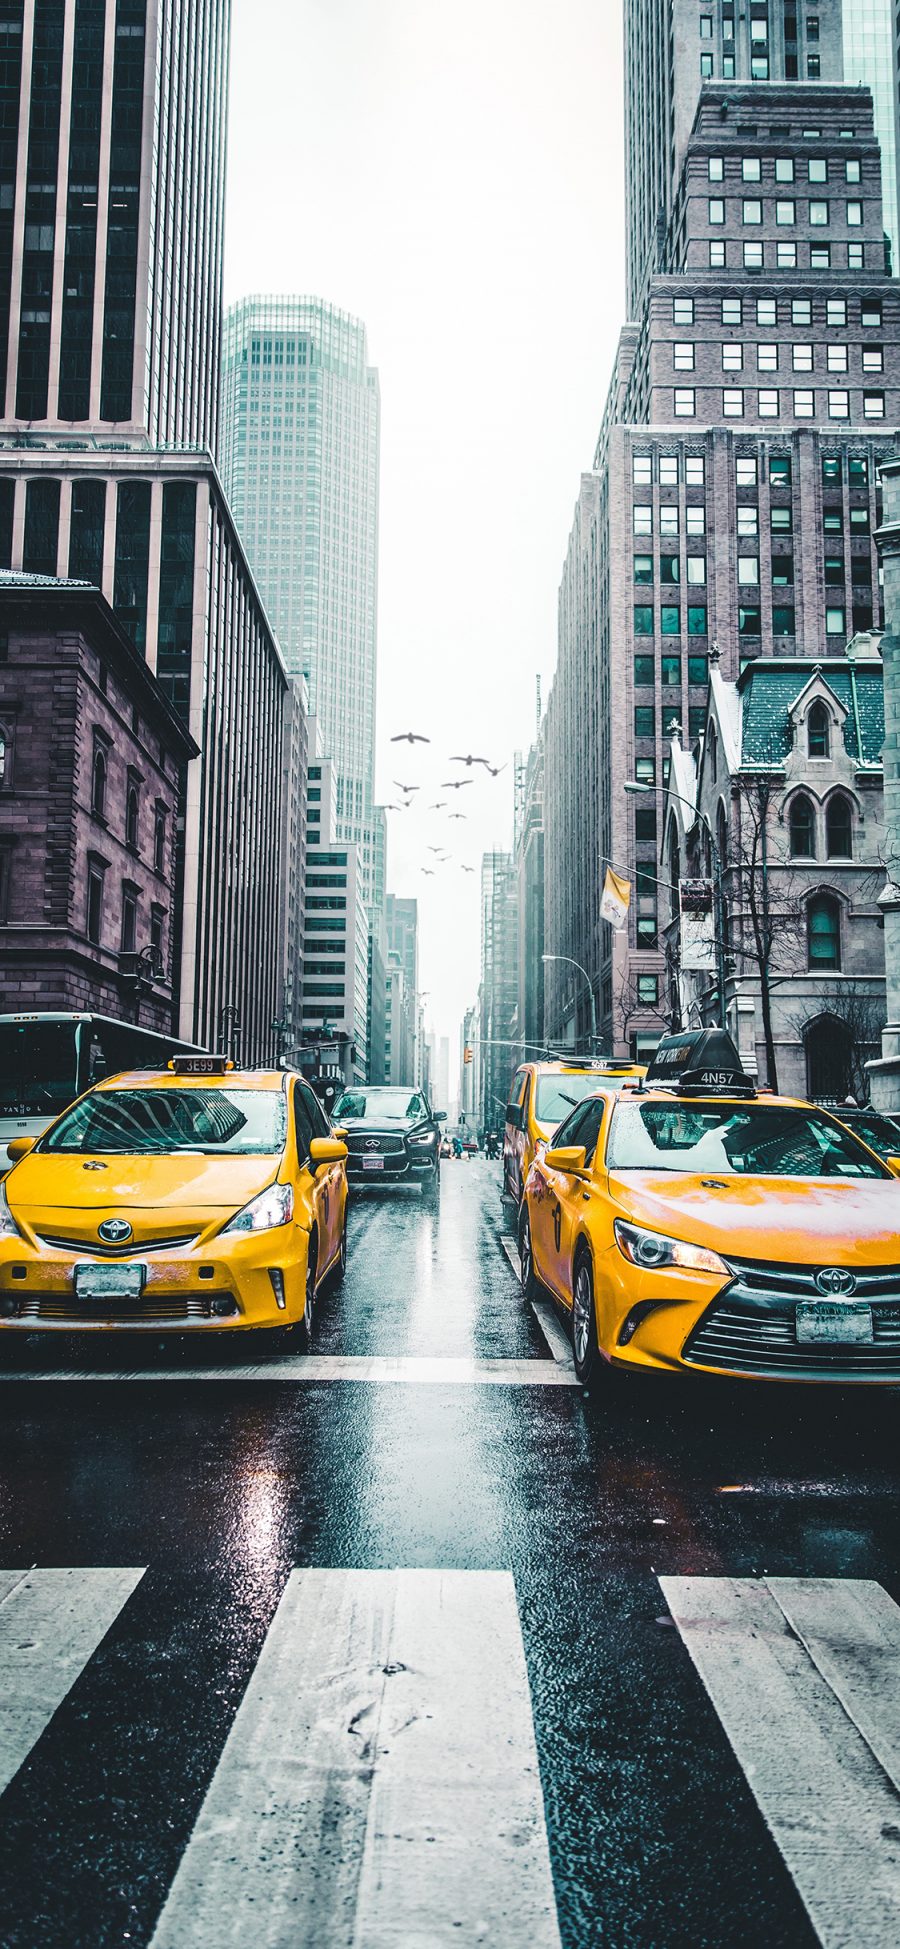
(109, 1281)
(829, 1320)
(373, 1163)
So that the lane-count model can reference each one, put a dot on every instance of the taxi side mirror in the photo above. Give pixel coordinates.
(569, 1158)
(338, 1131)
(325, 1151)
(20, 1147)
(893, 1163)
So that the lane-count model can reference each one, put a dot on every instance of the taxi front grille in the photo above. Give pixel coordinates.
(96, 1248)
(763, 1340)
(764, 1281)
(64, 1310)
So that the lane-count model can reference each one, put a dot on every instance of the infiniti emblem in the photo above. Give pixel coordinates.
(372, 1143)
(114, 1230)
(836, 1281)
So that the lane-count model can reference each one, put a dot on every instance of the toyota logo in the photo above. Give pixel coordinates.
(372, 1143)
(114, 1230)
(836, 1282)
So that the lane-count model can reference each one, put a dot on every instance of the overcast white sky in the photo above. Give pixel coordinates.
(453, 176)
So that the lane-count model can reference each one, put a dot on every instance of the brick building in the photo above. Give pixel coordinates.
(91, 758)
(733, 500)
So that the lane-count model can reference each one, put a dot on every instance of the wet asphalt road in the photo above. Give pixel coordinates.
(221, 1490)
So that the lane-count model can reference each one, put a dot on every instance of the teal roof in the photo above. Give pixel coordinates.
(769, 689)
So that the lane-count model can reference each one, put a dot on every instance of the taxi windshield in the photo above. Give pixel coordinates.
(156, 1122)
(557, 1095)
(750, 1140)
(401, 1106)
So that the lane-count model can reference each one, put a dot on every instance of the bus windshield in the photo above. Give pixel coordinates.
(37, 1068)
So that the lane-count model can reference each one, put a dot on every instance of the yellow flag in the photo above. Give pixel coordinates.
(615, 899)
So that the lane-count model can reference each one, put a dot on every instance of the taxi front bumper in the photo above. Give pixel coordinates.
(750, 1326)
(225, 1283)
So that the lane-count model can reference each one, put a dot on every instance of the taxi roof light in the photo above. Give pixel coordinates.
(200, 1065)
(700, 1062)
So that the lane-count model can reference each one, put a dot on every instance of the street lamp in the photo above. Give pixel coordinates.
(635, 785)
(587, 982)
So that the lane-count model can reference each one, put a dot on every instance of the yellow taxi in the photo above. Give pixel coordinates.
(199, 1198)
(692, 1224)
(541, 1095)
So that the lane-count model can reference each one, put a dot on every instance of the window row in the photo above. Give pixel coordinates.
(669, 469)
(817, 211)
(736, 404)
(669, 619)
(802, 354)
(786, 169)
(128, 917)
(669, 516)
(753, 257)
(100, 806)
(803, 827)
(759, 62)
(645, 720)
(670, 669)
(750, 468)
(739, 311)
(670, 568)
(781, 520)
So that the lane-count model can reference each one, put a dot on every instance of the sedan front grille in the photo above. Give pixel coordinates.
(757, 1339)
(763, 1280)
(97, 1249)
(360, 1142)
(64, 1310)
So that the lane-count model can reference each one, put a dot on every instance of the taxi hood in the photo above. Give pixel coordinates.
(803, 1221)
(62, 1182)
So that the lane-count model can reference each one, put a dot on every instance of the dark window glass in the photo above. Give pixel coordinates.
(749, 622)
(818, 740)
(644, 673)
(7, 503)
(648, 988)
(86, 531)
(39, 554)
(129, 921)
(40, 211)
(696, 720)
(643, 568)
(824, 932)
(645, 823)
(159, 841)
(98, 783)
(132, 559)
(870, 312)
(696, 619)
(831, 470)
(783, 622)
(670, 620)
(132, 818)
(81, 212)
(643, 619)
(10, 85)
(834, 569)
(95, 904)
(858, 471)
(670, 669)
(782, 569)
(117, 369)
(838, 828)
(176, 593)
(802, 828)
(644, 721)
(780, 469)
(669, 568)
(698, 670)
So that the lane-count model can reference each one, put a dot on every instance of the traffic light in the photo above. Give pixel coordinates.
(467, 1053)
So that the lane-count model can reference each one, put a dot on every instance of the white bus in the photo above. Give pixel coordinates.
(47, 1059)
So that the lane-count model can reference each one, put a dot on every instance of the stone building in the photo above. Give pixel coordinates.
(773, 840)
(498, 991)
(91, 761)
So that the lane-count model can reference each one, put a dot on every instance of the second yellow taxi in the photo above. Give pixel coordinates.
(198, 1198)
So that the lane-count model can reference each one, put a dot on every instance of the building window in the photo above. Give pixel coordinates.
(696, 720)
(668, 518)
(801, 356)
(873, 358)
(833, 521)
(782, 571)
(696, 620)
(751, 170)
(644, 721)
(812, 27)
(96, 875)
(86, 531)
(768, 405)
(696, 570)
(643, 568)
(748, 520)
(732, 311)
(132, 817)
(643, 619)
(818, 732)
(873, 406)
(159, 839)
(817, 169)
(41, 539)
(684, 402)
(132, 558)
(157, 926)
(716, 256)
(670, 672)
(732, 403)
(749, 621)
(669, 568)
(695, 520)
(852, 169)
(683, 355)
(698, 670)
(766, 311)
(801, 311)
(767, 358)
(668, 470)
(781, 520)
(832, 473)
(835, 622)
(786, 257)
(716, 166)
(129, 919)
(834, 570)
(694, 470)
(753, 257)
(858, 471)
(648, 990)
(783, 621)
(642, 519)
(716, 210)
(784, 169)
(820, 257)
(670, 620)
(854, 257)
(747, 569)
(706, 67)
(732, 357)
(641, 471)
(836, 311)
(838, 828)
(98, 783)
(804, 405)
(870, 312)
(813, 67)
(824, 933)
(838, 406)
(854, 214)
(644, 673)
(645, 825)
(745, 469)
(837, 358)
(645, 770)
(785, 210)
(682, 311)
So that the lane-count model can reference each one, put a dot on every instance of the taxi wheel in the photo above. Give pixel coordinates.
(531, 1285)
(340, 1264)
(305, 1328)
(585, 1346)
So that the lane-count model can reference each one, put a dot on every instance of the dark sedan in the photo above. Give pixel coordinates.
(393, 1137)
(880, 1129)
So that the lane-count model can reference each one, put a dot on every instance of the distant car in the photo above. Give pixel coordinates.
(445, 1147)
(876, 1127)
(541, 1095)
(470, 1146)
(393, 1137)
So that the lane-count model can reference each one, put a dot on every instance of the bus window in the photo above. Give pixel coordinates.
(37, 1068)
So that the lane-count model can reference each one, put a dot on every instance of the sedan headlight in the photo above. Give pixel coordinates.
(653, 1251)
(427, 1137)
(8, 1226)
(274, 1206)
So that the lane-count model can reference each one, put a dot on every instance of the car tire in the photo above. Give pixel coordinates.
(588, 1360)
(306, 1326)
(531, 1285)
(340, 1264)
(432, 1190)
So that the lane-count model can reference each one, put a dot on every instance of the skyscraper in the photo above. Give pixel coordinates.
(300, 463)
(112, 135)
(673, 46)
(498, 992)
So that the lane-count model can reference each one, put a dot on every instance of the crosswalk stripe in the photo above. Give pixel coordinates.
(51, 1622)
(400, 1370)
(380, 1783)
(804, 1679)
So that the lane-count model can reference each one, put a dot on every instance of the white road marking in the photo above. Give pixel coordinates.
(804, 1679)
(380, 1783)
(51, 1622)
(412, 1371)
(554, 1334)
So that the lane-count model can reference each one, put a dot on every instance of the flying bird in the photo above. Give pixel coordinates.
(454, 784)
(495, 770)
(458, 759)
(439, 806)
(468, 869)
(457, 815)
(428, 872)
(435, 849)
(406, 788)
(410, 737)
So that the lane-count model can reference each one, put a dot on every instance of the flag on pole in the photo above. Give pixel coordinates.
(615, 899)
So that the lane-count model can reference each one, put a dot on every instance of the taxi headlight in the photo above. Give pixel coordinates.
(653, 1251)
(8, 1226)
(274, 1206)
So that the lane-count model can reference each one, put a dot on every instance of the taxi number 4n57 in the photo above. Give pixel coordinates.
(828, 1319)
(109, 1281)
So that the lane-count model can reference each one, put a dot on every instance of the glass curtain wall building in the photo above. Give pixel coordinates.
(112, 138)
(300, 450)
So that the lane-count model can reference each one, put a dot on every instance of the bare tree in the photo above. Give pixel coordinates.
(765, 902)
(862, 1014)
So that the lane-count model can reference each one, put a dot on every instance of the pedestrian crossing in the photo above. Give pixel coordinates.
(306, 1370)
(379, 1784)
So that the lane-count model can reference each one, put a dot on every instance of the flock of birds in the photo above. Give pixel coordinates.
(469, 759)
